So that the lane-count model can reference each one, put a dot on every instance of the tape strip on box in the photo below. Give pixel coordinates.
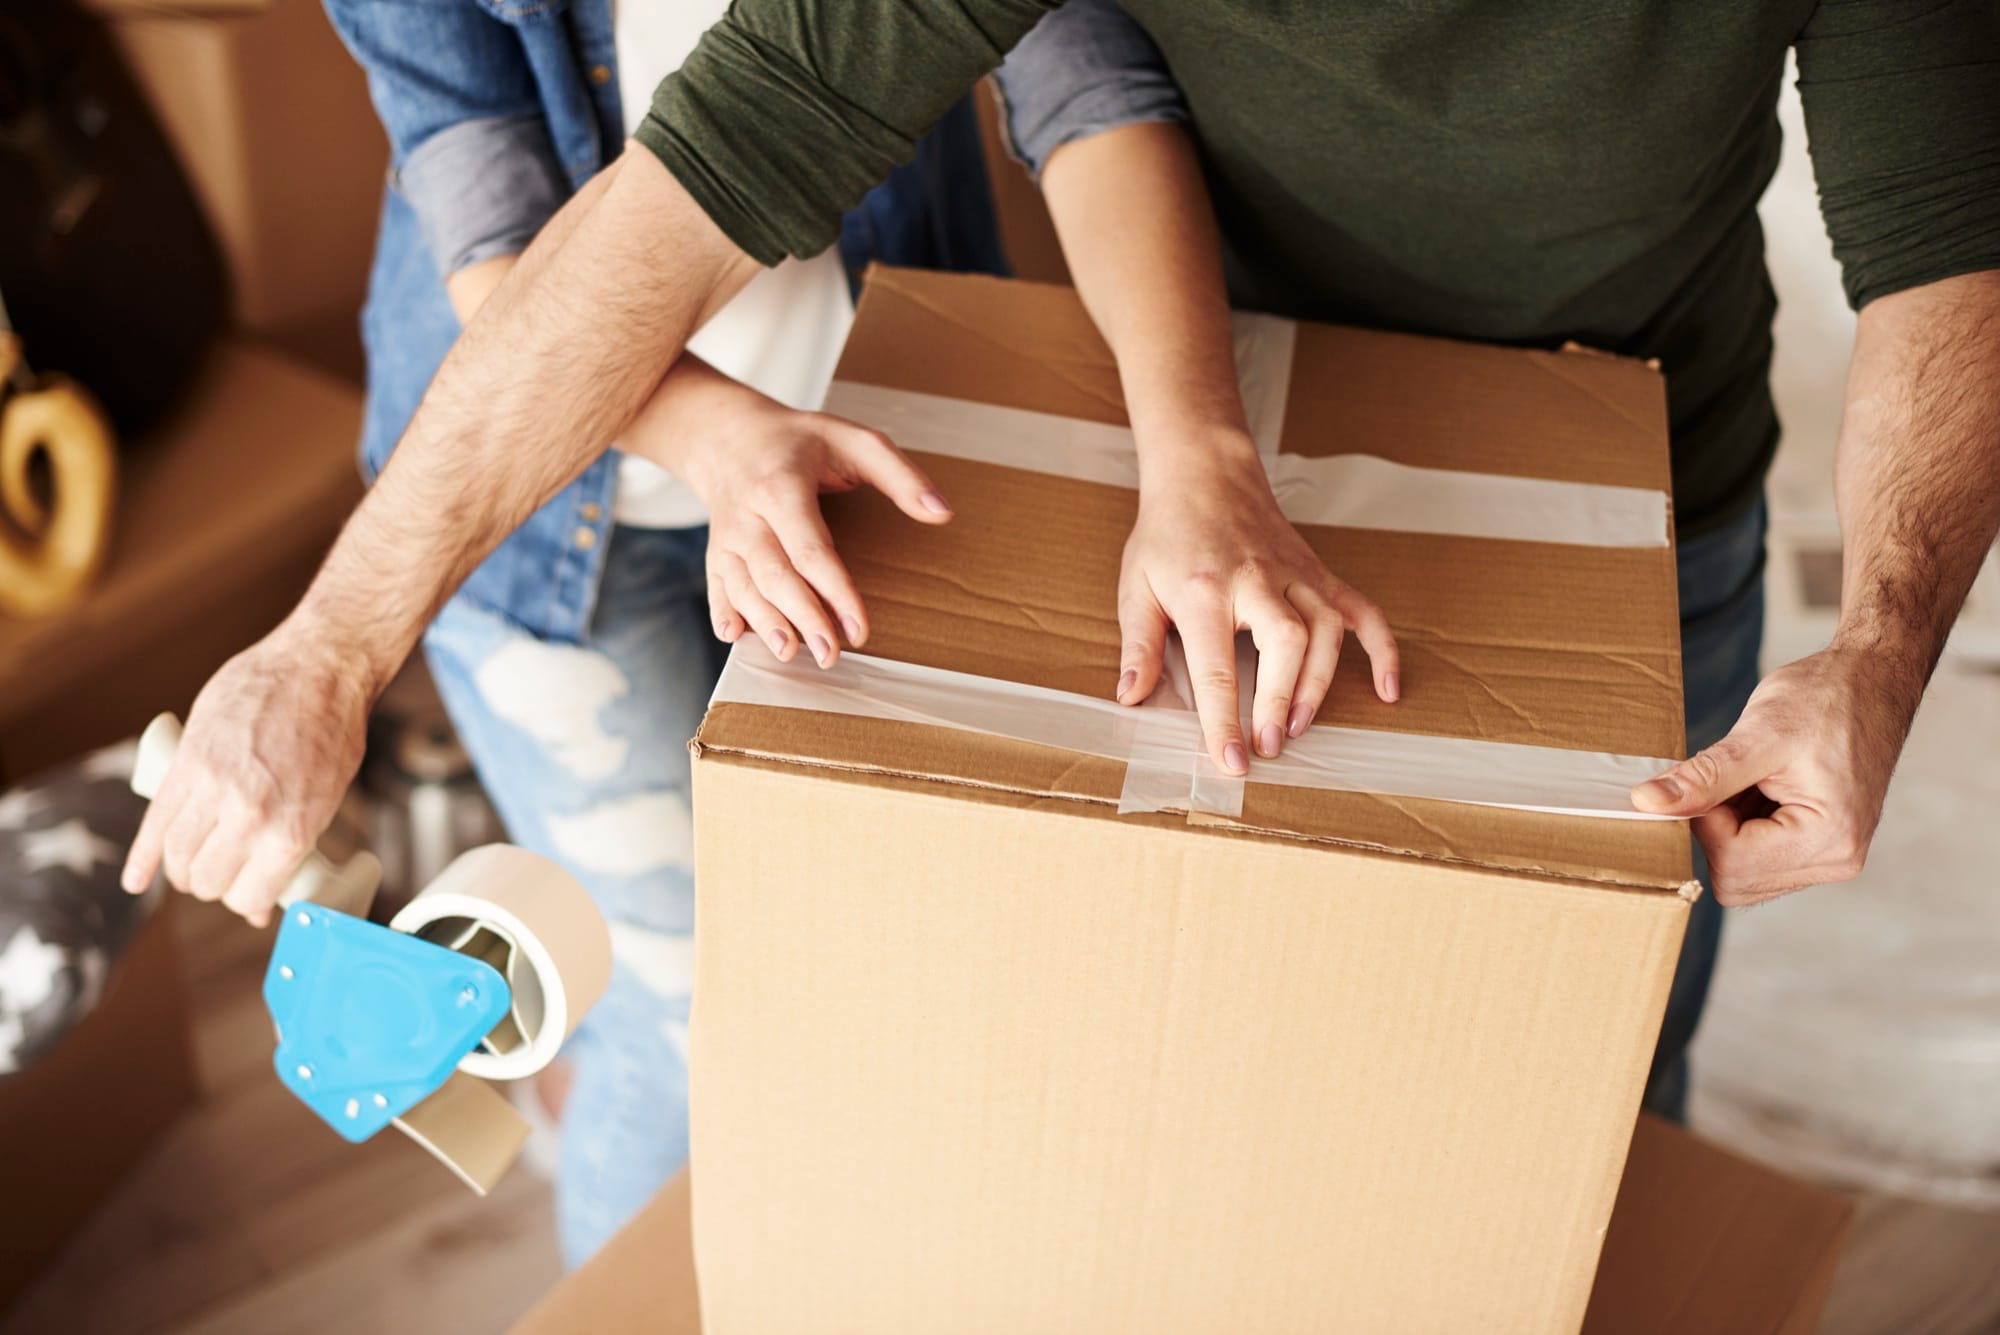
(1345, 490)
(1338, 490)
(1448, 769)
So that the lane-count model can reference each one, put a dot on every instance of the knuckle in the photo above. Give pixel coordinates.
(812, 553)
(1206, 586)
(1314, 684)
(1846, 857)
(1289, 634)
(1216, 680)
(1704, 767)
(1253, 570)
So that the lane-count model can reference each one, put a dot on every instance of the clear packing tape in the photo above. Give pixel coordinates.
(1160, 742)
(1168, 741)
(1337, 490)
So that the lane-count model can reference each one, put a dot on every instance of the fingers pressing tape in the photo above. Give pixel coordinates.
(1448, 769)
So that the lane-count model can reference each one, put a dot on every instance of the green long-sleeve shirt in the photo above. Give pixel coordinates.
(1511, 172)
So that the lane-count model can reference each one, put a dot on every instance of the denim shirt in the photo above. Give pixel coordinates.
(496, 112)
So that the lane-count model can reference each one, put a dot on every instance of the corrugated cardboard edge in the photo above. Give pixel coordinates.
(1092, 806)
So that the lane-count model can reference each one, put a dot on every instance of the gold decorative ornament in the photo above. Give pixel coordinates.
(51, 547)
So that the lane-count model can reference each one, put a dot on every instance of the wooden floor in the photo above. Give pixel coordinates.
(252, 1218)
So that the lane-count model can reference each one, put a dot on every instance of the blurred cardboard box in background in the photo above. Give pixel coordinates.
(270, 118)
(224, 512)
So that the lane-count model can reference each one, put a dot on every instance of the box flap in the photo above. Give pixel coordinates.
(1539, 643)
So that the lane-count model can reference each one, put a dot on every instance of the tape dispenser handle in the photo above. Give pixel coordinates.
(348, 888)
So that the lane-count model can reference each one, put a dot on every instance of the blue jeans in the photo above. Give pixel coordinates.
(584, 751)
(1722, 626)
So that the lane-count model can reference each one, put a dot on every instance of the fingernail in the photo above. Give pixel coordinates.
(726, 631)
(852, 629)
(1663, 791)
(1301, 720)
(776, 639)
(1268, 741)
(1234, 759)
(935, 503)
(822, 651)
(1126, 681)
(1392, 687)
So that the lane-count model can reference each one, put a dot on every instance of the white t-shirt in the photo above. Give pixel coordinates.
(782, 333)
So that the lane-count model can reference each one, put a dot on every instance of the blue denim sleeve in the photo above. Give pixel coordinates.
(468, 140)
(1084, 69)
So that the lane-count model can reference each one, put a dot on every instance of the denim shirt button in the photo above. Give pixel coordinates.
(600, 75)
(590, 510)
(584, 538)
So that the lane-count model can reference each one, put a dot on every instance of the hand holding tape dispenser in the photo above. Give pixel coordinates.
(480, 977)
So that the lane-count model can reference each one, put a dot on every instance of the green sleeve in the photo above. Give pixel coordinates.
(1902, 105)
(789, 111)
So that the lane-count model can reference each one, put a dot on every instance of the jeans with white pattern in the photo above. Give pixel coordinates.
(584, 751)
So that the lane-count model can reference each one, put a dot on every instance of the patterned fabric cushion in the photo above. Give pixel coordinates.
(64, 921)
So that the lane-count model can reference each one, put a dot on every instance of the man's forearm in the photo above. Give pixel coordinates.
(1917, 474)
(557, 361)
(1137, 230)
(468, 288)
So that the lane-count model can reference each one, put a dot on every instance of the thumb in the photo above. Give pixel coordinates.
(878, 462)
(1706, 779)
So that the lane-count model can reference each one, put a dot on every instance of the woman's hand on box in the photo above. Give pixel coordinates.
(760, 468)
(1211, 555)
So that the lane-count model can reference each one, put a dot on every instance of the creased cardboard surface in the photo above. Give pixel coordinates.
(1661, 1263)
(1541, 644)
(1187, 1081)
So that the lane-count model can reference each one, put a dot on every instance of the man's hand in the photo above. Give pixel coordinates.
(1212, 554)
(1790, 798)
(760, 468)
(271, 745)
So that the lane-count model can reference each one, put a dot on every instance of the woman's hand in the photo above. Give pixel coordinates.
(760, 467)
(1211, 554)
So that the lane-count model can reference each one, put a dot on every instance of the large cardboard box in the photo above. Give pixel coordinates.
(1662, 1270)
(972, 1050)
(270, 119)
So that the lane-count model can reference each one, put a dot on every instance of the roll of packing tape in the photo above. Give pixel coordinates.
(529, 919)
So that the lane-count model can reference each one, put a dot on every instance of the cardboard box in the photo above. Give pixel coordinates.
(1662, 1270)
(270, 119)
(959, 1022)
(83, 1114)
(224, 513)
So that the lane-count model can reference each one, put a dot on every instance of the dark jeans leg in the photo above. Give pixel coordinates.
(1722, 624)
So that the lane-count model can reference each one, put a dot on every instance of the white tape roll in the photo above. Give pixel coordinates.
(528, 918)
